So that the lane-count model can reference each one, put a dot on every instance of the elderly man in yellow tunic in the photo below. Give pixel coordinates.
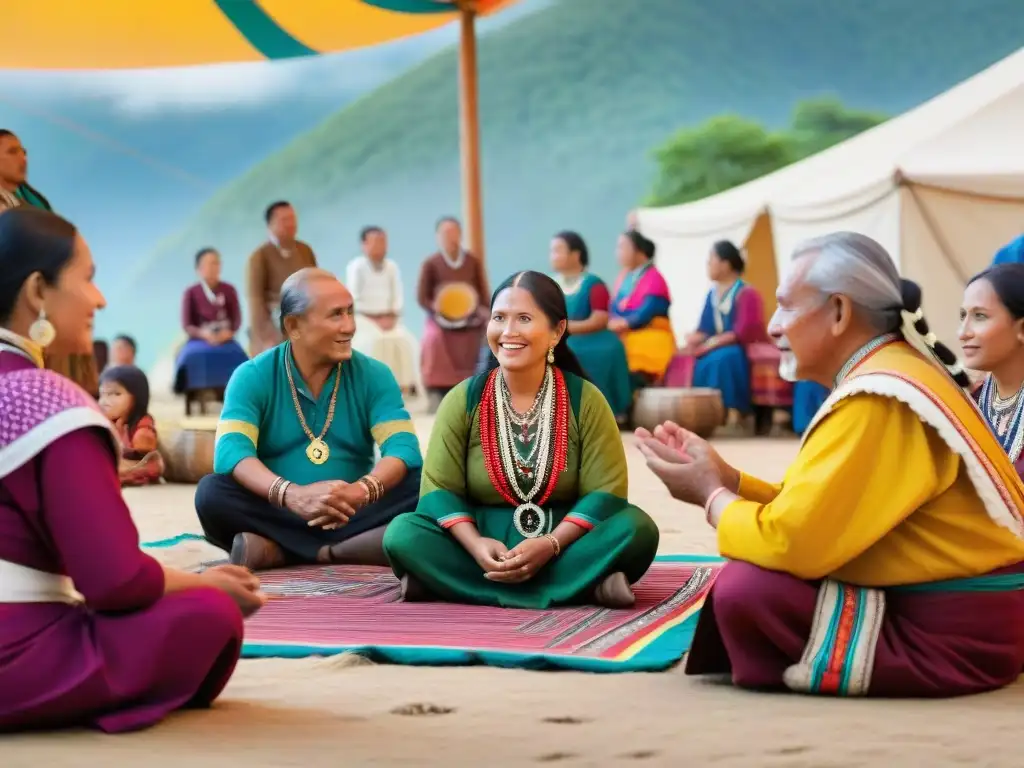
(889, 560)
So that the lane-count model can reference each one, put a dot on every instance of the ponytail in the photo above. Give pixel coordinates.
(916, 331)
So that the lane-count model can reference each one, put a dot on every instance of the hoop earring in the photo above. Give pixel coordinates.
(551, 355)
(42, 331)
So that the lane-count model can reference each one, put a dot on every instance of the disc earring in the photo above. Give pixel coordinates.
(42, 331)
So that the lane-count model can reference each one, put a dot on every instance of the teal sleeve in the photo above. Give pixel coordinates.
(238, 430)
(390, 424)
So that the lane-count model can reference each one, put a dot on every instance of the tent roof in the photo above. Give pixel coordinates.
(967, 138)
(135, 34)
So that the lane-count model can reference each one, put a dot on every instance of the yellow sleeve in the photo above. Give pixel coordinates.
(864, 469)
(755, 489)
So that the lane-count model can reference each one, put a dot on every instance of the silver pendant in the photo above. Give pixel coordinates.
(530, 520)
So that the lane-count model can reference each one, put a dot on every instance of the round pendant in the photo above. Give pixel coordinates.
(530, 520)
(318, 452)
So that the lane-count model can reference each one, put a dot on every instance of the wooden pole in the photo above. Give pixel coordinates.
(469, 131)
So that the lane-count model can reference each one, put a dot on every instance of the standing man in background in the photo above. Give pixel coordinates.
(375, 282)
(269, 266)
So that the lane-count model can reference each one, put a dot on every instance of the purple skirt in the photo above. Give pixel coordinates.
(201, 365)
(771, 630)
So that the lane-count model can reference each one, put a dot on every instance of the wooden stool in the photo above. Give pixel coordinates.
(187, 449)
(202, 397)
(698, 410)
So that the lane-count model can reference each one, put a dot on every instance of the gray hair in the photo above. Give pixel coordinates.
(860, 269)
(295, 298)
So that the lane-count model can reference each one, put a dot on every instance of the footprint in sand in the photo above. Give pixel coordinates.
(643, 754)
(422, 709)
(566, 720)
(554, 757)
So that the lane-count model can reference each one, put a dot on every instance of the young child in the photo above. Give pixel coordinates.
(124, 398)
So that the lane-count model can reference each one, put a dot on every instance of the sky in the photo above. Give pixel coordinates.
(145, 93)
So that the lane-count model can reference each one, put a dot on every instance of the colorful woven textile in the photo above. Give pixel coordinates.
(327, 610)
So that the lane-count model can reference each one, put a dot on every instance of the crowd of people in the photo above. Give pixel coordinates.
(888, 562)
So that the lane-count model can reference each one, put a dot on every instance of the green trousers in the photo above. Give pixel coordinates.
(415, 544)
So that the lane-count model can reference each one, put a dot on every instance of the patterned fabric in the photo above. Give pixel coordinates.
(37, 407)
(840, 653)
(768, 388)
(317, 610)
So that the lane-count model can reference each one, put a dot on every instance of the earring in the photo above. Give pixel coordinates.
(551, 355)
(42, 331)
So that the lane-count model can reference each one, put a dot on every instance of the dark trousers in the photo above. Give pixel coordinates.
(226, 509)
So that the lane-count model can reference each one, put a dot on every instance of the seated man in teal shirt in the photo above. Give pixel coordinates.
(294, 475)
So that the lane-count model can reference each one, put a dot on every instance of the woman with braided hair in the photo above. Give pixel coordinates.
(889, 560)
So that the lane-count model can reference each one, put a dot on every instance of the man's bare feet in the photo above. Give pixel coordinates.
(255, 552)
(615, 592)
(413, 591)
(367, 548)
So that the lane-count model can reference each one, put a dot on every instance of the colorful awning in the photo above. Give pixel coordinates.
(135, 34)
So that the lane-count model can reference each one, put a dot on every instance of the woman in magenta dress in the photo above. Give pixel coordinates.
(93, 632)
(992, 337)
(211, 316)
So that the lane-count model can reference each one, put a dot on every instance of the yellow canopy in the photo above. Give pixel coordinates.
(134, 34)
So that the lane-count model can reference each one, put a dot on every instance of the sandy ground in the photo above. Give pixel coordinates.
(344, 711)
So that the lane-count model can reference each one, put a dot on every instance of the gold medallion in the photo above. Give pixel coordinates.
(318, 452)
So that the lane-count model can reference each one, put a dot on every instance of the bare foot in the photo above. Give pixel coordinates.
(255, 552)
(615, 592)
(413, 591)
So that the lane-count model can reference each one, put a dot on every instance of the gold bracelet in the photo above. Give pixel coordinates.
(555, 544)
(274, 487)
(281, 492)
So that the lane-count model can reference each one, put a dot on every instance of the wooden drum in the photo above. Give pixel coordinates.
(187, 450)
(698, 410)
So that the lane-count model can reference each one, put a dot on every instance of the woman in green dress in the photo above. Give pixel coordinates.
(523, 501)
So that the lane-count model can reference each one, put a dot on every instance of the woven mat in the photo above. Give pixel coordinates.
(327, 610)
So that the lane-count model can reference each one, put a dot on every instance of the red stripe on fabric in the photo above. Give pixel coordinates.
(979, 454)
(832, 678)
(585, 524)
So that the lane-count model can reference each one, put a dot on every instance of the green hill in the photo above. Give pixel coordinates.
(574, 98)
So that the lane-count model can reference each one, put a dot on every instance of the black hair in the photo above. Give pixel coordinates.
(641, 243)
(912, 303)
(202, 252)
(574, 242)
(1007, 280)
(31, 240)
(127, 340)
(443, 219)
(550, 298)
(4, 133)
(135, 384)
(726, 251)
(365, 232)
(269, 213)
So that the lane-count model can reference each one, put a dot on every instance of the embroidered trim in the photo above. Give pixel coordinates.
(995, 496)
(32, 443)
(840, 654)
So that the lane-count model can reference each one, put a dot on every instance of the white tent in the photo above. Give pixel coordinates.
(941, 187)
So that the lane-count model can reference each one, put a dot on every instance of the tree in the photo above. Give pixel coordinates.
(729, 150)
